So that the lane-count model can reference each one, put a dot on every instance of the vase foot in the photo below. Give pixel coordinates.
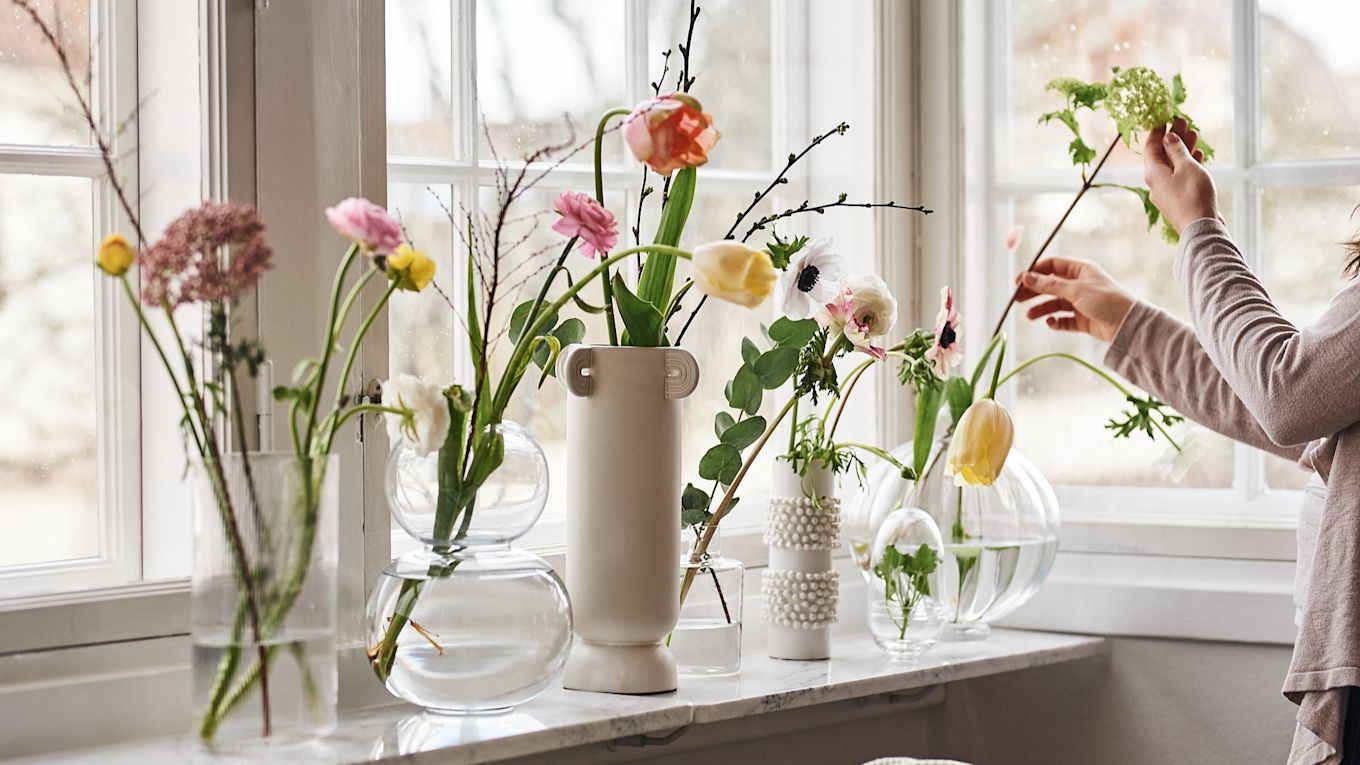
(962, 633)
(626, 669)
(798, 644)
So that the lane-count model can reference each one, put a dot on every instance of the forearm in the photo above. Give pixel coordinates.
(1160, 354)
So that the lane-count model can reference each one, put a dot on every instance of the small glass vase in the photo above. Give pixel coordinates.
(906, 617)
(263, 603)
(707, 636)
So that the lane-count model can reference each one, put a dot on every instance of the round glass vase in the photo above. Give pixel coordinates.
(905, 616)
(469, 625)
(263, 599)
(707, 636)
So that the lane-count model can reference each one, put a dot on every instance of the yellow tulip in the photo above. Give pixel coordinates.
(982, 441)
(734, 272)
(115, 255)
(411, 269)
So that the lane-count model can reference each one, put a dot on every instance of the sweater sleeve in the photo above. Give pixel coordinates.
(1159, 353)
(1299, 383)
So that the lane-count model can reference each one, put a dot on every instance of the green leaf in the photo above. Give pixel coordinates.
(643, 319)
(693, 517)
(589, 308)
(791, 333)
(744, 433)
(749, 351)
(1177, 90)
(721, 464)
(1082, 153)
(959, 393)
(694, 498)
(658, 273)
(928, 401)
(1149, 209)
(781, 251)
(520, 316)
(745, 394)
(570, 331)
(721, 422)
(775, 367)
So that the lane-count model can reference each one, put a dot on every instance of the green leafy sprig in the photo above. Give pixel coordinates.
(906, 581)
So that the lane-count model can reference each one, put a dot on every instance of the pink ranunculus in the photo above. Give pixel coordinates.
(584, 217)
(838, 317)
(670, 132)
(367, 224)
(946, 352)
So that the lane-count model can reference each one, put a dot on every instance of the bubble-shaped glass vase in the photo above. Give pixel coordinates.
(469, 625)
(905, 613)
(999, 540)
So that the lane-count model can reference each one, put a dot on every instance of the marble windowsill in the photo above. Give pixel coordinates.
(560, 719)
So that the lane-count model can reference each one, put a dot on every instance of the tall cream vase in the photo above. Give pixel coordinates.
(623, 512)
(799, 589)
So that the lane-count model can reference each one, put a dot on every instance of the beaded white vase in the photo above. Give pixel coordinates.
(799, 590)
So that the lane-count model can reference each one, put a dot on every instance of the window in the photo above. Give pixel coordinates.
(470, 84)
(71, 422)
(1272, 85)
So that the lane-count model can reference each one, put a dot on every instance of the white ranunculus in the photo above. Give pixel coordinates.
(426, 424)
(812, 279)
(872, 305)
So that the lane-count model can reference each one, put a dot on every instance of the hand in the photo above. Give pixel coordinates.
(1181, 187)
(1084, 297)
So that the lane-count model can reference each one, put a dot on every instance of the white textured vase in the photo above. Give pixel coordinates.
(799, 590)
(623, 509)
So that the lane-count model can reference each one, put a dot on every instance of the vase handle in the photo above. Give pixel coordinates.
(682, 373)
(573, 369)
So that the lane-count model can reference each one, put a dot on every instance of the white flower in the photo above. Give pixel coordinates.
(874, 307)
(1177, 464)
(425, 424)
(812, 279)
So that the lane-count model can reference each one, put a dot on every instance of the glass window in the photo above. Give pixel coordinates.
(1310, 72)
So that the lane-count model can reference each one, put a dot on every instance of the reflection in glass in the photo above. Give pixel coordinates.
(1310, 72)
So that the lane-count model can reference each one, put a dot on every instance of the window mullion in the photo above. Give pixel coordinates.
(1249, 463)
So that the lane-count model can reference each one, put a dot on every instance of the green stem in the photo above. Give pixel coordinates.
(319, 375)
(599, 197)
(996, 370)
(350, 357)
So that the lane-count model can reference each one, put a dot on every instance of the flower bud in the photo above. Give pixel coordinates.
(734, 272)
(670, 132)
(115, 255)
(982, 441)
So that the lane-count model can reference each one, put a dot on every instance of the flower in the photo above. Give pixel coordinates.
(187, 264)
(412, 270)
(1138, 99)
(946, 352)
(864, 310)
(1013, 237)
(115, 255)
(1176, 463)
(425, 423)
(813, 278)
(367, 224)
(584, 217)
(734, 272)
(982, 441)
(670, 132)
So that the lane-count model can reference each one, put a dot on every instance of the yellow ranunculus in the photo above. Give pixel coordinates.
(981, 443)
(734, 272)
(115, 255)
(411, 269)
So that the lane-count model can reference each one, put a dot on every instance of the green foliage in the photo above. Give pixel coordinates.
(906, 579)
(929, 397)
(958, 392)
(1147, 415)
(644, 320)
(816, 372)
(720, 464)
(658, 273)
(781, 251)
(721, 422)
(1078, 95)
(774, 367)
(743, 434)
(792, 333)
(744, 391)
(915, 369)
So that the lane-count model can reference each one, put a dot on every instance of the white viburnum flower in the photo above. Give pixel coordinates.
(812, 280)
(426, 424)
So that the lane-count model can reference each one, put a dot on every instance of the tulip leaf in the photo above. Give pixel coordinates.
(520, 317)
(658, 273)
(745, 393)
(749, 351)
(959, 393)
(792, 333)
(721, 422)
(775, 367)
(928, 401)
(643, 319)
(744, 433)
(721, 464)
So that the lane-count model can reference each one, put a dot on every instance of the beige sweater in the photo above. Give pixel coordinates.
(1250, 374)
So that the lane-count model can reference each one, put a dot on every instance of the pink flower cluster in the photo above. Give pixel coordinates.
(367, 224)
(188, 264)
(583, 217)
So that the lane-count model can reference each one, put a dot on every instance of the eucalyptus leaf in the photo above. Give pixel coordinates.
(520, 316)
(749, 351)
(721, 422)
(792, 333)
(745, 393)
(744, 433)
(721, 464)
(775, 367)
(694, 498)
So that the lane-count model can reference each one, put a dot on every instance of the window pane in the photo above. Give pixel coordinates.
(421, 325)
(422, 117)
(1301, 265)
(732, 66)
(36, 104)
(1062, 408)
(1085, 38)
(539, 60)
(1310, 70)
(47, 371)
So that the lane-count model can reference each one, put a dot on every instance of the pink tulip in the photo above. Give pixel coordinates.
(366, 224)
(670, 132)
(946, 352)
(582, 216)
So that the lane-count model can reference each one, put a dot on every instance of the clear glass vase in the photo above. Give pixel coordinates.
(707, 636)
(470, 624)
(906, 617)
(264, 592)
(490, 628)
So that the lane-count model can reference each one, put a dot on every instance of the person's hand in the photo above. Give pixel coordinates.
(1083, 297)
(1181, 187)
